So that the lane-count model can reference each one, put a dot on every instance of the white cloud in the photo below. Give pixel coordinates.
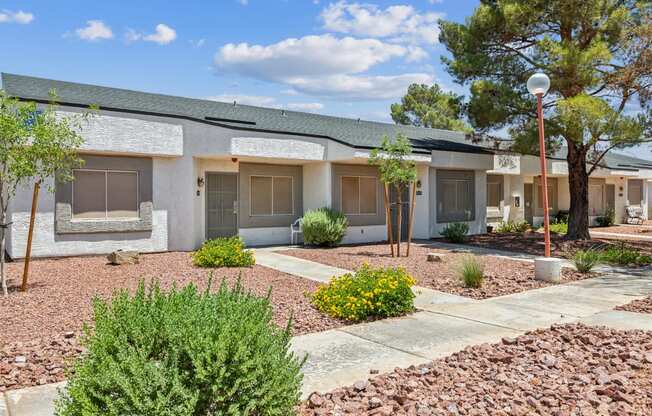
(359, 87)
(243, 2)
(163, 35)
(307, 56)
(197, 43)
(400, 22)
(258, 100)
(94, 30)
(20, 17)
(309, 107)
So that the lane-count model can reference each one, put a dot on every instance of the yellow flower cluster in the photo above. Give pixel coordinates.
(367, 293)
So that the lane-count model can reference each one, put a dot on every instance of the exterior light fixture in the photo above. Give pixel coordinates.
(538, 85)
(200, 182)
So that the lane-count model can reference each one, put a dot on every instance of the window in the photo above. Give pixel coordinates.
(635, 192)
(455, 196)
(596, 199)
(551, 196)
(271, 195)
(104, 194)
(494, 191)
(359, 195)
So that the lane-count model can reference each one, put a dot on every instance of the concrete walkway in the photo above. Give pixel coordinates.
(443, 324)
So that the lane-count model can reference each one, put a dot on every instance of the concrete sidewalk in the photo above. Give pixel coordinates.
(443, 324)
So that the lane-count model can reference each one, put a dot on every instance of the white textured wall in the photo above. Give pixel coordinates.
(47, 243)
(277, 148)
(265, 236)
(468, 161)
(421, 227)
(317, 183)
(365, 234)
(123, 134)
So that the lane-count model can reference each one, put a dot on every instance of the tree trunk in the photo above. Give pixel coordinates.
(578, 183)
(30, 234)
(388, 215)
(399, 207)
(3, 234)
(411, 223)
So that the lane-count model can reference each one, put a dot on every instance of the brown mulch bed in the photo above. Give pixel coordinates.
(565, 370)
(532, 243)
(640, 305)
(502, 276)
(41, 327)
(634, 230)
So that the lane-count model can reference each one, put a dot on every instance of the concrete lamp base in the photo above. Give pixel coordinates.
(547, 269)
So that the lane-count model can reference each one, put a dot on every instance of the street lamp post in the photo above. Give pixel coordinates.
(538, 85)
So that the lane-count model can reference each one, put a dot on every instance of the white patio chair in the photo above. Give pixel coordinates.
(634, 215)
(295, 230)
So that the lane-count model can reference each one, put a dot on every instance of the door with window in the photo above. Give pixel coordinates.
(221, 205)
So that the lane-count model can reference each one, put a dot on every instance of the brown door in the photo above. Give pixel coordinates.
(527, 203)
(221, 205)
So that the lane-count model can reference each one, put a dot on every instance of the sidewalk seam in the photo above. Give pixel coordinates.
(383, 345)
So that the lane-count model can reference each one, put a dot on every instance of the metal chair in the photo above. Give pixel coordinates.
(295, 230)
(634, 215)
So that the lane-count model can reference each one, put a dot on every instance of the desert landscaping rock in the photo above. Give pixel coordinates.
(123, 257)
(43, 325)
(435, 257)
(640, 306)
(565, 370)
(502, 276)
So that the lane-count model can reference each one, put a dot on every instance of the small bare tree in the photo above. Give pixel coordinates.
(35, 144)
(397, 171)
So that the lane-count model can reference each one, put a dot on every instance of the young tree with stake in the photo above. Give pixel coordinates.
(36, 144)
(396, 170)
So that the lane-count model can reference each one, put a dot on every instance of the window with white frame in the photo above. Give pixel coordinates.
(271, 195)
(104, 194)
(359, 195)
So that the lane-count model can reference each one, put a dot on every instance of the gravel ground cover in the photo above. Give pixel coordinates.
(532, 243)
(634, 230)
(565, 370)
(640, 305)
(502, 276)
(40, 328)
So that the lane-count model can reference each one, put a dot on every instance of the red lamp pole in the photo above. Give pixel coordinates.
(544, 175)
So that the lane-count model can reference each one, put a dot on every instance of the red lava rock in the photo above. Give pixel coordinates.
(640, 306)
(43, 324)
(315, 400)
(502, 276)
(585, 380)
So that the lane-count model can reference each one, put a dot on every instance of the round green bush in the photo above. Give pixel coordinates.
(184, 352)
(324, 227)
(456, 232)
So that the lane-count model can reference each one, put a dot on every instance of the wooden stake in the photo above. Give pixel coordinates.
(388, 215)
(398, 220)
(410, 225)
(28, 251)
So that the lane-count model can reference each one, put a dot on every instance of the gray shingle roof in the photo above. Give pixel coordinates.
(357, 133)
(613, 160)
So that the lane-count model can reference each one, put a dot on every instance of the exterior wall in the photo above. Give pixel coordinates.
(265, 236)
(316, 179)
(47, 243)
(422, 209)
(365, 234)
(649, 200)
(338, 171)
(479, 224)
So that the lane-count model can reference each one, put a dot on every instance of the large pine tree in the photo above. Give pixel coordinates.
(598, 54)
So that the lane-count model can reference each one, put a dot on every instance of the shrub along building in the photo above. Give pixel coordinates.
(165, 173)
(514, 187)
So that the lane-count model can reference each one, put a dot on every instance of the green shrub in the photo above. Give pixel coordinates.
(324, 227)
(559, 228)
(183, 353)
(223, 252)
(367, 293)
(586, 260)
(471, 272)
(623, 256)
(608, 219)
(456, 232)
(512, 227)
(562, 217)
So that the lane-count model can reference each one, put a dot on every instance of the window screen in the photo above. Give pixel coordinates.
(455, 196)
(596, 200)
(359, 195)
(271, 195)
(551, 196)
(104, 194)
(634, 192)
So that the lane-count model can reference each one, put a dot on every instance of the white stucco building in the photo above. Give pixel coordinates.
(165, 173)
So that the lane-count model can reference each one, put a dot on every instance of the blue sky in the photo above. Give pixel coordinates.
(334, 57)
